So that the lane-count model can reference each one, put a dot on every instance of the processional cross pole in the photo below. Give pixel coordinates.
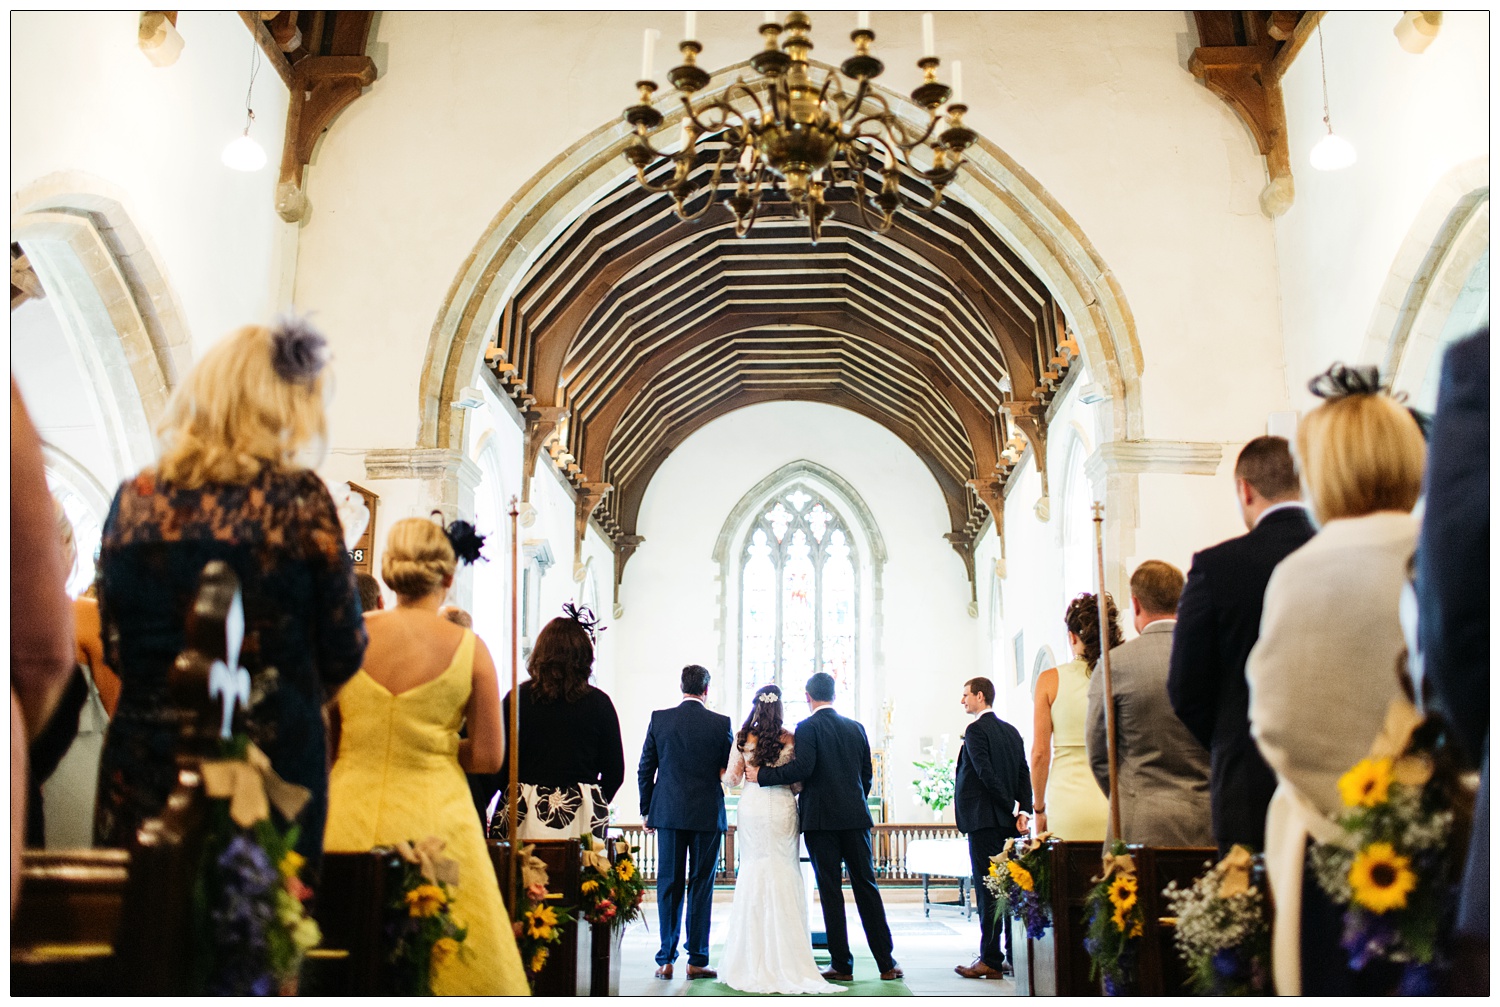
(1109, 692)
(513, 740)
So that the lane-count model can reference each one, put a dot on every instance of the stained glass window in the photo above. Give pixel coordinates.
(799, 599)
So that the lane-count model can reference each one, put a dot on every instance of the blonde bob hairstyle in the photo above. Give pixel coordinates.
(1358, 455)
(233, 416)
(418, 558)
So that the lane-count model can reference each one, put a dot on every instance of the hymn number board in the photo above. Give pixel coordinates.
(363, 553)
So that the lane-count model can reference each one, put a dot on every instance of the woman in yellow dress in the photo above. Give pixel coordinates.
(399, 772)
(1067, 798)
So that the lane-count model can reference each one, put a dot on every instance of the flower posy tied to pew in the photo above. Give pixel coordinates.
(1396, 867)
(538, 925)
(1020, 876)
(612, 892)
(1222, 930)
(421, 925)
(1115, 920)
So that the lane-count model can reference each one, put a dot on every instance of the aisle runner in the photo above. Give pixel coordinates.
(867, 981)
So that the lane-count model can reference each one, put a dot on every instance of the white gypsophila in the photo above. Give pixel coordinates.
(1331, 865)
(1207, 923)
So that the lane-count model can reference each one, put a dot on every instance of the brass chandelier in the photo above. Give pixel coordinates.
(786, 129)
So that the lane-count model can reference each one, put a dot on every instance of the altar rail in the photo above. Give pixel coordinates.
(888, 841)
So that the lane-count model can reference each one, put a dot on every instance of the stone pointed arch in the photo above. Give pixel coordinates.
(1447, 238)
(112, 300)
(1015, 204)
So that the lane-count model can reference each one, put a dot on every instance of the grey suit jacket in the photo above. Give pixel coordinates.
(1164, 797)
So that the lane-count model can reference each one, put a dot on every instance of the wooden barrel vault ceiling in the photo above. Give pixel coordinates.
(636, 328)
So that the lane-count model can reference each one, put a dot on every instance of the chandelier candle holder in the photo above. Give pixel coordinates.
(784, 129)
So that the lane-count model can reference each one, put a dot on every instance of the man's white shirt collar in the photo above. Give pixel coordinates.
(1284, 505)
(695, 699)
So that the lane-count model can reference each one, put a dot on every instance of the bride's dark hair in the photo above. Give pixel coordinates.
(765, 723)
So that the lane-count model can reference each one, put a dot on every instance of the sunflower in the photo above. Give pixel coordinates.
(426, 900)
(589, 886)
(291, 864)
(442, 949)
(538, 960)
(994, 870)
(540, 922)
(625, 869)
(1381, 878)
(1367, 784)
(1122, 892)
(1020, 875)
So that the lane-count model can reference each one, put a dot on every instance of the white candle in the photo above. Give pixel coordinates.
(648, 52)
(958, 83)
(747, 159)
(929, 47)
(690, 25)
(769, 17)
(864, 19)
(890, 159)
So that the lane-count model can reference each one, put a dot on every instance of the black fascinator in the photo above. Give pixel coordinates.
(585, 618)
(298, 351)
(464, 538)
(1341, 381)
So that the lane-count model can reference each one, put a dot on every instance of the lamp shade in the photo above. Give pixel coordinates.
(244, 154)
(1332, 153)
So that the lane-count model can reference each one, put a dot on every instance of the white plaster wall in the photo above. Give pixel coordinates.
(671, 595)
(85, 100)
(1412, 119)
(1097, 106)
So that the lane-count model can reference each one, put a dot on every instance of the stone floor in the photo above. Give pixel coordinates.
(926, 947)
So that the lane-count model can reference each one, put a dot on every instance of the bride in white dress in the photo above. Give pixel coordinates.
(767, 947)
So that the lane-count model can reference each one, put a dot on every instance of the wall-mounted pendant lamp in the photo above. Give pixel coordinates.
(243, 153)
(1333, 152)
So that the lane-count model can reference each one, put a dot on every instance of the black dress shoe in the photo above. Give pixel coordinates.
(835, 976)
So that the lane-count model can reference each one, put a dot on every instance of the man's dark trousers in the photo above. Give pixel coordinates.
(983, 844)
(675, 848)
(830, 851)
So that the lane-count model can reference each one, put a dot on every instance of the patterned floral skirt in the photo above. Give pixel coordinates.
(547, 812)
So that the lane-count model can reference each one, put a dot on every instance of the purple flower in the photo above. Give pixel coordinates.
(1418, 980)
(1367, 938)
(298, 351)
(1227, 964)
(243, 912)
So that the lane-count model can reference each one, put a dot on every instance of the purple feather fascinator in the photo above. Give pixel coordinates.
(298, 351)
(464, 538)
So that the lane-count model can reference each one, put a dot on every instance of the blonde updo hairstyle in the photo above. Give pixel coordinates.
(1359, 455)
(418, 558)
(233, 416)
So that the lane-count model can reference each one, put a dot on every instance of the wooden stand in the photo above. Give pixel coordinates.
(569, 969)
(1160, 969)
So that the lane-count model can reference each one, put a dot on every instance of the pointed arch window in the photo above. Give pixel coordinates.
(799, 599)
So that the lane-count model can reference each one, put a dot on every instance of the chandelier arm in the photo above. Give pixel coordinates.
(742, 87)
(713, 186)
(640, 177)
(886, 220)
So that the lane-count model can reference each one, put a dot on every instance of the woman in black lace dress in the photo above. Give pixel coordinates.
(227, 488)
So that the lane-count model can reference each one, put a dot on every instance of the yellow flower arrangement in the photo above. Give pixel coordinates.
(426, 900)
(589, 886)
(1381, 878)
(1367, 784)
(538, 959)
(625, 868)
(1020, 875)
(442, 949)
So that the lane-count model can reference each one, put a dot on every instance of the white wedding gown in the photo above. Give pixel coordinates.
(767, 947)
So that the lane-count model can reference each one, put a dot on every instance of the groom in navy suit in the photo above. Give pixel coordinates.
(832, 762)
(686, 753)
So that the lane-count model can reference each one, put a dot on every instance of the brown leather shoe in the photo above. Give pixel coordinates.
(835, 976)
(978, 970)
(894, 972)
(664, 972)
(697, 972)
